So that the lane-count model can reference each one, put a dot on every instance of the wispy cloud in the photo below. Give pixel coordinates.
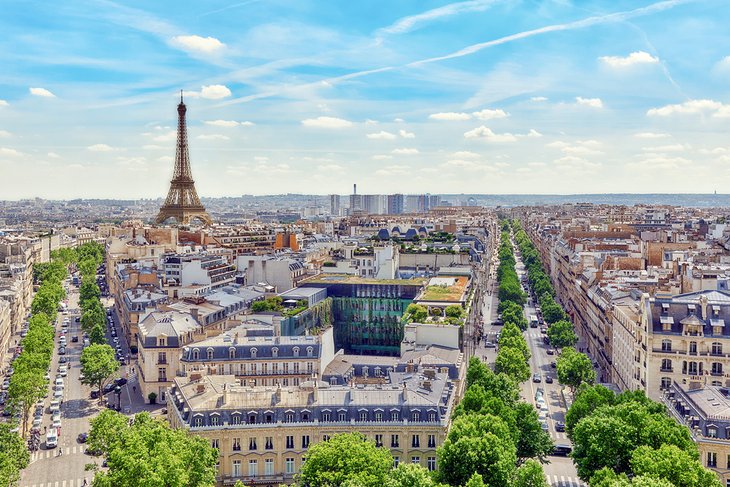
(7, 151)
(3, 103)
(213, 137)
(451, 116)
(412, 22)
(406, 151)
(589, 102)
(406, 134)
(228, 123)
(101, 148)
(382, 135)
(327, 123)
(41, 92)
(488, 114)
(692, 107)
(650, 135)
(633, 59)
(489, 135)
(197, 44)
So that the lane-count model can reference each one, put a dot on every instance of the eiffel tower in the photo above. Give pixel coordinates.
(182, 201)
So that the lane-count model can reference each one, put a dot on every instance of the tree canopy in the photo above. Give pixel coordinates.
(575, 368)
(98, 364)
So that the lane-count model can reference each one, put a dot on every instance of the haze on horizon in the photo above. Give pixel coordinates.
(476, 96)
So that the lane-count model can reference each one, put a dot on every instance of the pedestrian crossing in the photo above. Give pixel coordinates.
(563, 481)
(61, 483)
(559, 436)
(40, 454)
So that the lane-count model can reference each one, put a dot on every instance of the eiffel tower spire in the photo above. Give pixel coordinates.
(182, 202)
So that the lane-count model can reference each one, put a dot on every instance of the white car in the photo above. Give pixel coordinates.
(56, 423)
(51, 438)
(58, 394)
(59, 381)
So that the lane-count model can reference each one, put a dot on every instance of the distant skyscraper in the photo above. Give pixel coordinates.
(433, 201)
(182, 202)
(395, 204)
(335, 204)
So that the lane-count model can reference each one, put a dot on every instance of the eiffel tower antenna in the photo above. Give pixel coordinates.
(182, 202)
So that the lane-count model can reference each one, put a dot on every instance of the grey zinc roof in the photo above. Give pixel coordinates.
(171, 324)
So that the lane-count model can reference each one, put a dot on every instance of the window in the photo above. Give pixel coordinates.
(161, 341)
(236, 418)
(269, 442)
(396, 461)
(275, 368)
(253, 468)
(296, 367)
(416, 460)
(692, 347)
(394, 415)
(275, 352)
(378, 415)
(432, 416)
(666, 345)
(666, 383)
(378, 440)
(290, 442)
(711, 459)
(310, 368)
(289, 417)
(416, 441)
(666, 365)
(341, 415)
(716, 368)
(253, 353)
(716, 348)
(269, 466)
(198, 421)
(295, 351)
(215, 420)
(162, 374)
(310, 351)
(416, 416)
(363, 415)
(196, 354)
(251, 419)
(305, 417)
(236, 444)
(711, 432)
(431, 463)
(232, 352)
(265, 368)
(365, 371)
(325, 437)
(162, 357)
(289, 465)
(269, 418)
(209, 353)
(236, 468)
(394, 441)
(326, 416)
(214, 443)
(252, 444)
(692, 368)
(305, 441)
(432, 441)
(286, 367)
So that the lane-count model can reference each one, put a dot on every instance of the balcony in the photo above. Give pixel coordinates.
(716, 373)
(666, 369)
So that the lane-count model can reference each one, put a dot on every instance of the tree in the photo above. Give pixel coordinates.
(515, 314)
(477, 443)
(347, 457)
(511, 362)
(574, 368)
(416, 313)
(530, 474)
(26, 388)
(454, 311)
(97, 335)
(475, 480)
(260, 306)
(551, 311)
(410, 475)
(608, 478)
(146, 452)
(14, 455)
(92, 317)
(587, 399)
(518, 343)
(98, 364)
(562, 334)
(532, 441)
(671, 463)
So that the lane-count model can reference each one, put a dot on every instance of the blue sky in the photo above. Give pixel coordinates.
(486, 96)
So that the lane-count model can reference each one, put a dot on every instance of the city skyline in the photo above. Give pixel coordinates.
(488, 97)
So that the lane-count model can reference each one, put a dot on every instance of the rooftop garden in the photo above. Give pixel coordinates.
(445, 293)
(452, 315)
(276, 304)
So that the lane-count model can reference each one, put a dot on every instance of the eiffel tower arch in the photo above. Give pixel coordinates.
(182, 202)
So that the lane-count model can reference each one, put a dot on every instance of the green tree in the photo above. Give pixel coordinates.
(98, 364)
(574, 368)
(92, 317)
(97, 335)
(515, 314)
(608, 478)
(146, 452)
(410, 475)
(25, 389)
(14, 455)
(562, 334)
(671, 463)
(587, 399)
(416, 313)
(518, 343)
(260, 306)
(477, 443)
(347, 457)
(532, 441)
(512, 362)
(551, 311)
(454, 311)
(529, 474)
(475, 480)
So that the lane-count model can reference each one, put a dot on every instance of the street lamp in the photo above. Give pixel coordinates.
(118, 392)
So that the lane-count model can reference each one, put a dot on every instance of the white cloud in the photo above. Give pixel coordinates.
(3, 103)
(558, 144)
(638, 57)
(41, 92)
(589, 102)
(197, 44)
(6, 151)
(406, 135)
(371, 122)
(407, 24)
(228, 123)
(261, 159)
(382, 135)
(534, 133)
(487, 134)
(467, 165)
(154, 147)
(465, 154)
(405, 151)
(658, 161)
(165, 159)
(668, 148)
(4, 133)
(692, 107)
(451, 116)
(650, 135)
(215, 92)
(382, 157)
(327, 123)
(394, 170)
(715, 151)
(53, 155)
(101, 148)
(538, 99)
(169, 136)
(398, 120)
(580, 150)
(488, 114)
(330, 168)
(213, 137)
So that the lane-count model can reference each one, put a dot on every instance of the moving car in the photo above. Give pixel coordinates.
(560, 426)
(82, 437)
(550, 351)
(562, 450)
(120, 381)
(51, 438)
(548, 379)
(536, 377)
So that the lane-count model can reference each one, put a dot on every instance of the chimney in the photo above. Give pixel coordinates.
(200, 389)
(354, 188)
(194, 313)
(225, 394)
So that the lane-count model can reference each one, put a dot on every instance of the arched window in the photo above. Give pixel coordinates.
(253, 353)
(666, 365)
(716, 348)
(666, 345)
(295, 351)
(275, 352)
(666, 383)
(214, 420)
(416, 416)
(716, 368)
(209, 353)
(196, 354)
(310, 351)
(236, 418)
(232, 352)
(692, 368)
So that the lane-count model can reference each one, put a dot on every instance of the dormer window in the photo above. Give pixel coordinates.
(416, 416)
(295, 351)
(196, 354)
(232, 352)
(209, 353)
(275, 352)
(161, 341)
(691, 309)
(253, 353)
(310, 351)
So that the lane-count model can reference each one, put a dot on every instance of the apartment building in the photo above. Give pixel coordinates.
(284, 273)
(199, 268)
(263, 433)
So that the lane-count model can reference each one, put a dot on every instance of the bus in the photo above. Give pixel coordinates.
(533, 321)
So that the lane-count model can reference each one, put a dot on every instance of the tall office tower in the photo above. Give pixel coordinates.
(335, 204)
(395, 204)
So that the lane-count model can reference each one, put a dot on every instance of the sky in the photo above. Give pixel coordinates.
(408, 96)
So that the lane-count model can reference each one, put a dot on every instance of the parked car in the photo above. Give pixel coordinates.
(51, 438)
(62, 360)
(559, 426)
(548, 379)
(82, 437)
(544, 425)
(108, 388)
(62, 351)
(489, 345)
(95, 394)
(120, 381)
(562, 450)
(75, 339)
(536, 377)
(553, 364)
